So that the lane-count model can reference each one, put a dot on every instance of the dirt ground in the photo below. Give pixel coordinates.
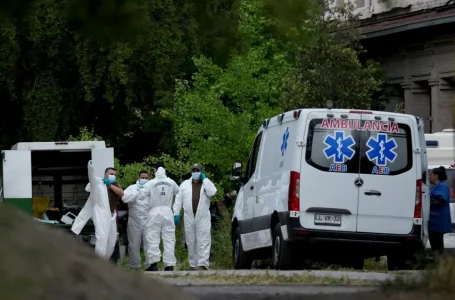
(38, 262)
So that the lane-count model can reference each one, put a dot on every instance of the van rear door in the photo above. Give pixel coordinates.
(17, 179)
(329, 170)
(388, 170)
(102, 159)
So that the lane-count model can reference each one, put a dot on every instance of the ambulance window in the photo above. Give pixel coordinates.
(392, 158)
(317, 157)
(251, 167)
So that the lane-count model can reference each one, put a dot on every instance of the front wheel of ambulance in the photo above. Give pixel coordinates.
(281, 250)
(240, 258)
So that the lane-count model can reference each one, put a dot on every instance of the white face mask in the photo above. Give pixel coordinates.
(196, 175)
(112, 178)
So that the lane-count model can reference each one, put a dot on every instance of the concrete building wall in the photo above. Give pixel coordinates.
(425, 73)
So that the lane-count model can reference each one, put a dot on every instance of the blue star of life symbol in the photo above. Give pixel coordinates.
(284, 144)
(381, 149)
(339, 147)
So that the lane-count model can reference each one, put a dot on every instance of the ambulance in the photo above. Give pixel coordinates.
(441, 152)
(332, 184)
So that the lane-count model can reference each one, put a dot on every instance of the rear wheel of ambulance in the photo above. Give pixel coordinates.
(281, 255)
(240, 258)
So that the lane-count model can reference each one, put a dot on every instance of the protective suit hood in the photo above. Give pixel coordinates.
(160, 173)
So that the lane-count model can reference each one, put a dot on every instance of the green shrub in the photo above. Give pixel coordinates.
(221, 254)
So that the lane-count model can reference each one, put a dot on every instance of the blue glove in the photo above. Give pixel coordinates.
(177, 220)
(106, 181)
(203, 176)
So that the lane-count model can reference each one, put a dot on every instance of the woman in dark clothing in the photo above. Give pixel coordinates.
(439, 222)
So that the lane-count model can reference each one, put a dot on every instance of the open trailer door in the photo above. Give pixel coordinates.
(102, 159)
(17, 179)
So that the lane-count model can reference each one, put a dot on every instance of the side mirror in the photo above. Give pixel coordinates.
(236, 173)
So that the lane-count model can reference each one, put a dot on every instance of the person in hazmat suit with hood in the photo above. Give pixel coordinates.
(101, 207)
(160, 222)
(194, 196)
(137, 216)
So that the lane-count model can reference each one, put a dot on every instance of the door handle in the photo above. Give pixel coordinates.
(251, 187)
(373, 193)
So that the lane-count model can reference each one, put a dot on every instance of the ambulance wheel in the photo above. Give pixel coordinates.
(281, 250)
(240, 258)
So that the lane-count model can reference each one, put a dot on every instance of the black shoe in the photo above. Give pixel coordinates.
(170, 268)
(202, 268)
(152, 268)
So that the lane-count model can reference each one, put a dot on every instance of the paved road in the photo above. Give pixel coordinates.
(281, 292)
(189, 282)
(367, 276)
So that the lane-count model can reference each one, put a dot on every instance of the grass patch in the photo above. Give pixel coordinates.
(436, 278)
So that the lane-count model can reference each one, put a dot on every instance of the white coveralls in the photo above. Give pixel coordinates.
(137, 217)
(197, 227)
(97, 207)
(160, 222)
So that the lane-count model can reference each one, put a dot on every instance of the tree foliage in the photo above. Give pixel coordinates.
(217, 114)
(173, 80)
(105, 64)
(330, 68)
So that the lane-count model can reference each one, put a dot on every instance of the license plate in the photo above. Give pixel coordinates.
(329, 220)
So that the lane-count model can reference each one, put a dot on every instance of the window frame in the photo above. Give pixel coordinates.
(252, 159)
(356, 164)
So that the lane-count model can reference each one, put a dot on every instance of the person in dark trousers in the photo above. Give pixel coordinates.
(439, 222)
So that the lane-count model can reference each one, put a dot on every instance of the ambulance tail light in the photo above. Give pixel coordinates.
(294, 192)
(418, 203)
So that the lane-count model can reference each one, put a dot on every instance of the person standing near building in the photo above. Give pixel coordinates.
(137, 217)
(440, 221)
(194, 196)
(160, 221)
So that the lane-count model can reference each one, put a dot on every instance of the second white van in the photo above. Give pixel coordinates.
(441, 152)
(334, 184)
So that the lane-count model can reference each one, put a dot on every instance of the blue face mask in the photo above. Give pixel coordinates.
(112, 178)
(196, 175)
(143, 181)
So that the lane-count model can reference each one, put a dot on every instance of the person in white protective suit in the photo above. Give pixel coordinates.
(100, 206)
(137, 216)
(160, 222)
(194, 195)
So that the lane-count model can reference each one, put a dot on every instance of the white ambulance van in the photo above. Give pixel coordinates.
(333, 184)
(441, 152)
(54, 174)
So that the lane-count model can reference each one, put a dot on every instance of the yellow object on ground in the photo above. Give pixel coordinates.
(40, 206)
